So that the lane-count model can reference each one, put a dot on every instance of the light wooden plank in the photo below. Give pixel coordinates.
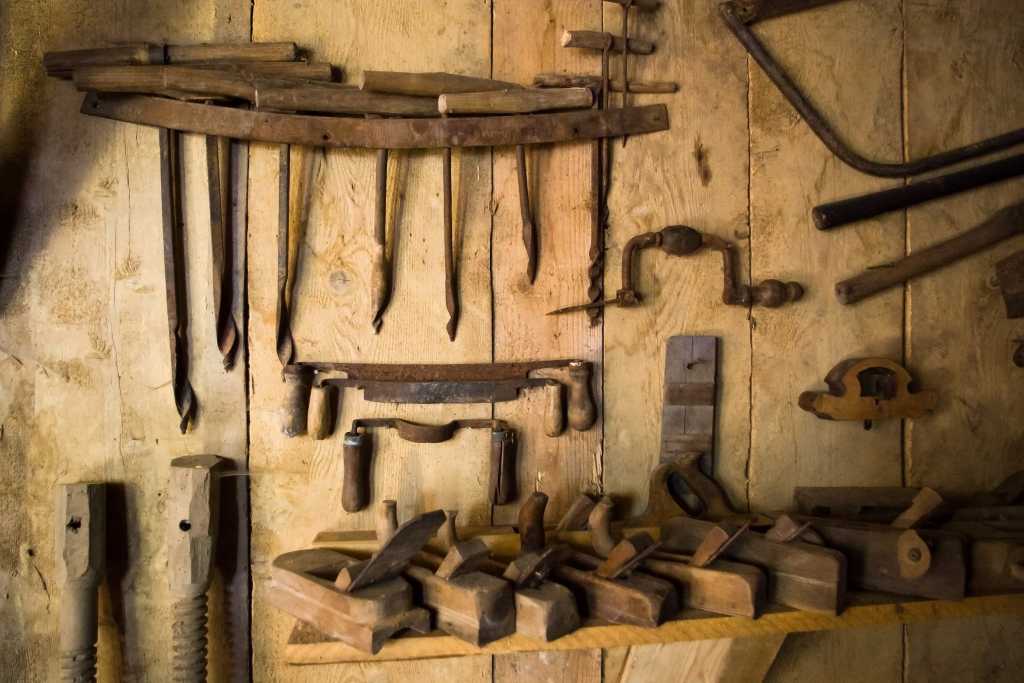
(858, 89)
(698, 628)
(297, 482)
(85, 356)
(581, 666)
(963, 63)
(694, 174)
(741, 660)
(526, 42)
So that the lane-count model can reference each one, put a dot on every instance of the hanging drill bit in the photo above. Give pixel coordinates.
(174, 274)
(380, 275)
(218, 168)
(285, 342)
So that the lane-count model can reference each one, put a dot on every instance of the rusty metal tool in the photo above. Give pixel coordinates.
(192, 514)
(464, 383)
(869, 389)
(358, 454)
(1002, 225)
(394, 133)
(1010, 278)
(381, 274)
(219, 180)
(705, 581)
(739, 14)
(845, 211)
(81, 562)
(174, 275)
(681, 240)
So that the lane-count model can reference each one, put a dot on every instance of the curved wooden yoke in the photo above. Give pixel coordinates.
(869, 389)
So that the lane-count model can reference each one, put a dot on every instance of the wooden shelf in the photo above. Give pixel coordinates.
(308, 646)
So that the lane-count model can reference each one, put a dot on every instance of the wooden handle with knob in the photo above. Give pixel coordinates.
(581, 410)
(387, 521)
(320, 415)
(355, 490)
(298, 382)
(532, 537)
(600, 524)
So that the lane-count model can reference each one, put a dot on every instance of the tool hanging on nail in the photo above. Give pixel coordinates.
(174, 275)
(681, 240)
(219, 181)
(358, 453)
(739, 14)
(600, 162)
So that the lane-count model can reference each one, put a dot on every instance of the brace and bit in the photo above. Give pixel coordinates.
(681, 240)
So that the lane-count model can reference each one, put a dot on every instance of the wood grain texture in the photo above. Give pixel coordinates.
(695, 174)
(84, 394)
(793, 348)
(742, 660)
(297, 482)
(962, 62)
(526, 42)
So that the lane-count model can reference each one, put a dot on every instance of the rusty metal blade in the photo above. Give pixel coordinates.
(218, 171)
(396, 133)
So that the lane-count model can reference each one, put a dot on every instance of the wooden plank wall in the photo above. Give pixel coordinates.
(82, 340)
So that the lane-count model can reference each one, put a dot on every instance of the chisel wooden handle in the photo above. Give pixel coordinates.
(355, 491)
(427, 84)
(1003, 224)
(581, 411)
(518, 101)
(62, 63)
(554, 409)
(298, 381)
(844, 211)
(502, 484)
(596, 40)
(320, 417)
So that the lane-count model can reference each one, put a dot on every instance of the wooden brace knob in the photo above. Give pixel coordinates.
(554, 409)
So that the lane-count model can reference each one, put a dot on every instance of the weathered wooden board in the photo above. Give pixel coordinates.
(857, 87)
(84, 391)
(296, 483)
(963, 61)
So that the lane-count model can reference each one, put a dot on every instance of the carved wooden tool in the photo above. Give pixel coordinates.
(191, 539)
(704, 582)
(552, 80)
(460, 383)
(62, 64)
(688, 403)
(545, 610)
(302, 584)
(470, 605)
(681, 240)
(868, 389)
(879, 504)
(1010, 278)
(358, 454)
(1002, 225)
(81, 561)
(918, 562)
(995, 555)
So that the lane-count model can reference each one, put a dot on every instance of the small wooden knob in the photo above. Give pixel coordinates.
(387, 521)
(774, 293)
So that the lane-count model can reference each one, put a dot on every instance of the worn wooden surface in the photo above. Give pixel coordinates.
(84, 369)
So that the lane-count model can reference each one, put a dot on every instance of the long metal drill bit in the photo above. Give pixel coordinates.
(451, 295)
(380, 285)
(285, 341)
(529, 227)
(174, 275)
(218, 170)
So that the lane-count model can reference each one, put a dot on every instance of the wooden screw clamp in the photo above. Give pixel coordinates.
(81, 555)
(191, 539)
